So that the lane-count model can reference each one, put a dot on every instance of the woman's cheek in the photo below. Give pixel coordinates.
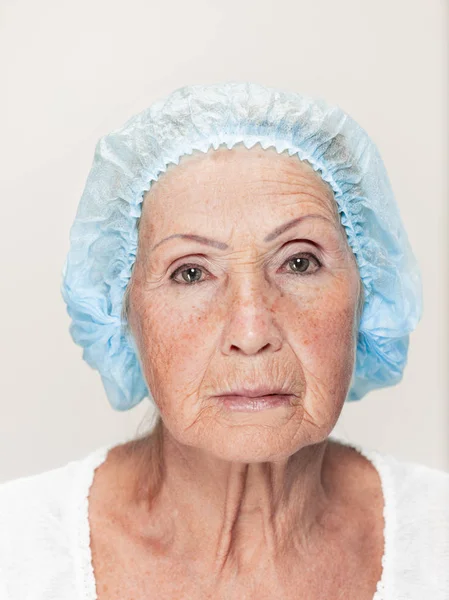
(319, 326)
(173, 348)
(332, 346)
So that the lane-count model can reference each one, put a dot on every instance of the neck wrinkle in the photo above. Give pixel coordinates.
(231, 515)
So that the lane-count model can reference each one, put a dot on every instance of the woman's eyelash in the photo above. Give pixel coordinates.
(307, 255)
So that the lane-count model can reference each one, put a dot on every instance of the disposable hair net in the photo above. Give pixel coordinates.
(103, 238)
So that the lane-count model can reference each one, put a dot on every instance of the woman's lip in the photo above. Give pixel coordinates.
(247, 403)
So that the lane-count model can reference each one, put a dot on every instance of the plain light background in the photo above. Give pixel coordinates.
(73, 71)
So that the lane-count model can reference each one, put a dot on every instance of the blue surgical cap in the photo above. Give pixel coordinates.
(104, 235)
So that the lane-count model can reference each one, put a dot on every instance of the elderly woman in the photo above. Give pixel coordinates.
(276, 211)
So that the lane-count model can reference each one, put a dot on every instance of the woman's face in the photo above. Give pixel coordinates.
(252, 307)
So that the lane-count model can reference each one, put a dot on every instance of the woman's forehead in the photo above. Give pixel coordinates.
(231, 182)
(256, 163)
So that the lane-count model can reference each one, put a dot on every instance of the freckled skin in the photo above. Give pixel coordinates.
(246, 323)
(251, 505)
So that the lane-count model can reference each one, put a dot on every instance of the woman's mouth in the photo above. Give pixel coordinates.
(248, 404)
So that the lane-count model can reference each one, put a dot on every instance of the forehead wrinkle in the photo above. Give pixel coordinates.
(296, 171)
(305, 179)
(275, 185)
(333, 221)
(309, 176)
(328, 203)
(314, 188)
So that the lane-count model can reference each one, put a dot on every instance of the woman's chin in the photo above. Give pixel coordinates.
(251, 451)
(259, 436)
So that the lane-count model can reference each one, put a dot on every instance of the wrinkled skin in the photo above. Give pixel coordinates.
(251, 319)
(251, 504)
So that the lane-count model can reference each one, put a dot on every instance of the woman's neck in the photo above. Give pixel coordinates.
(229, 516)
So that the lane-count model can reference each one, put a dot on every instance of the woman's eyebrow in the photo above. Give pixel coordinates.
(222, 246)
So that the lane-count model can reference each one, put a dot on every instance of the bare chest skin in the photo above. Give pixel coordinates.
(343, 563)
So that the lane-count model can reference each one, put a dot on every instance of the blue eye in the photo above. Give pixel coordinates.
(301, 264)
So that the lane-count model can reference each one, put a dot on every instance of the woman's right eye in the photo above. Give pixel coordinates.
(189, 274)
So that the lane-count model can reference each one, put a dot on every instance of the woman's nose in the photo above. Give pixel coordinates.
(250, 320)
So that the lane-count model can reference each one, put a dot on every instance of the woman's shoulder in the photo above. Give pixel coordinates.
(417, 516)
(416, 525)
(416, 486)
(47, 491)
(28, 501)
(38, 524)
(39, 483)
(416, 495)
(413, 484)
(419, 495)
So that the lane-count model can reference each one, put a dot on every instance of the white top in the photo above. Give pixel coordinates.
(45, 538)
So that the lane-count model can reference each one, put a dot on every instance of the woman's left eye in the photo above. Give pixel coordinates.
(299, 264)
